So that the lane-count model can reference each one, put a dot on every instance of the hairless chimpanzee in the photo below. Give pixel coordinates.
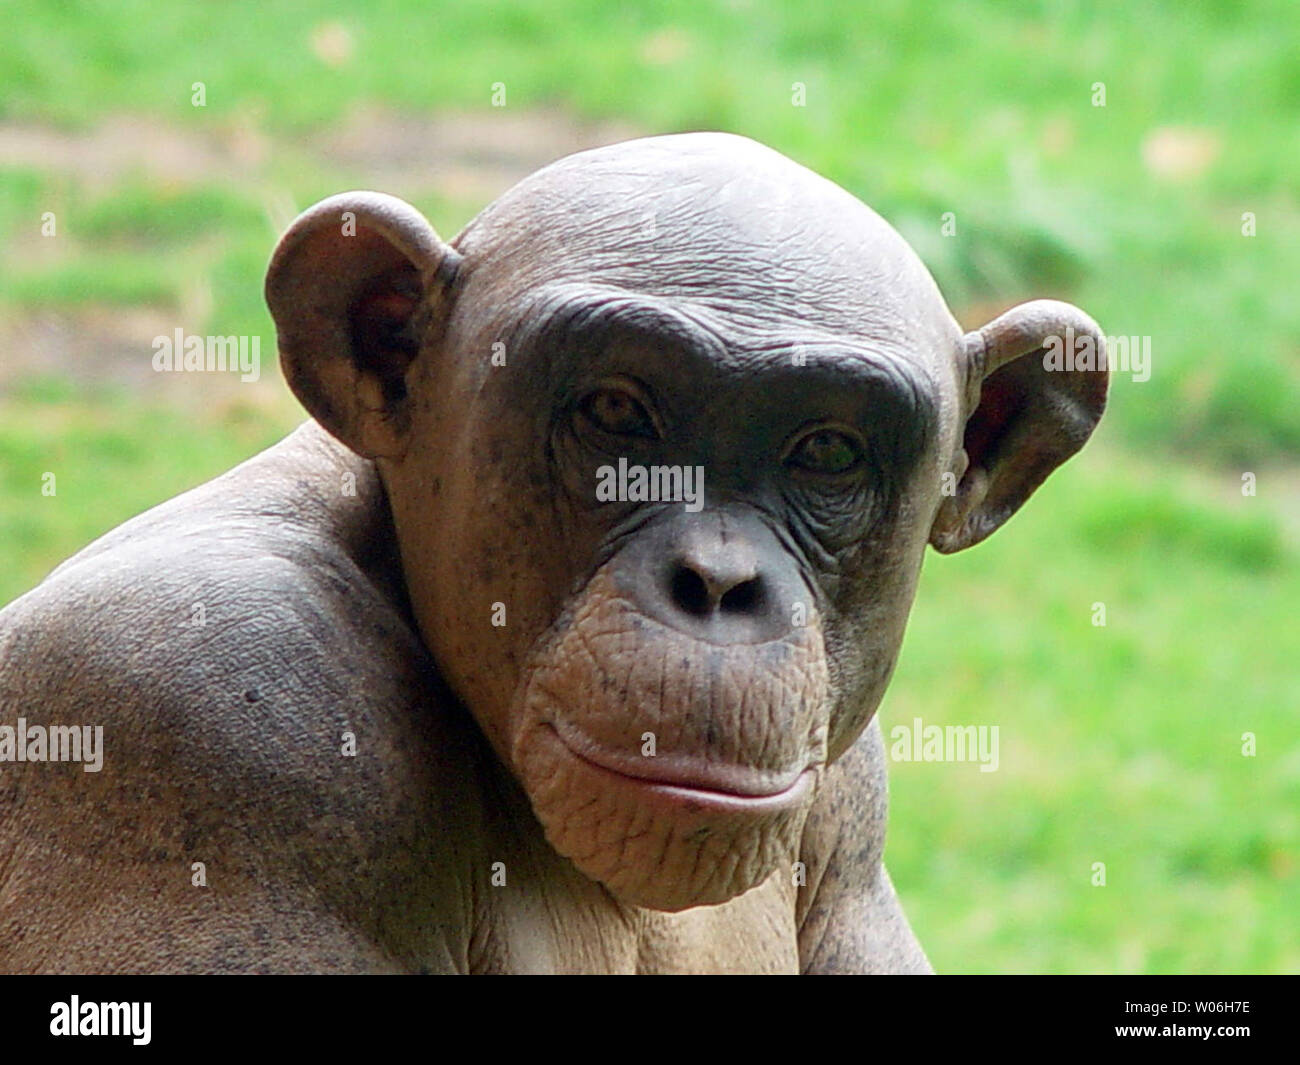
(553, 641)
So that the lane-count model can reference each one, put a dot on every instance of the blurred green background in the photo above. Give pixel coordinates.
(1120, 744)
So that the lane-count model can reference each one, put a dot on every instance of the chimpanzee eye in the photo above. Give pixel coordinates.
(827, 451)
(618, 412)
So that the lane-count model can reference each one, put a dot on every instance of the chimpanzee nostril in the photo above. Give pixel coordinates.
(699, 590)
(690, 593)
(744, 598)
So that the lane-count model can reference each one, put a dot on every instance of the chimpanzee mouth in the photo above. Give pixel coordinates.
(692, 781)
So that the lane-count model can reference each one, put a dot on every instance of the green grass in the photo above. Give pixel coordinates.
(1119, 744)
(112, 457)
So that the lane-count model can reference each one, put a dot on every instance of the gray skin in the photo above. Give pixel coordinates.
(686, 300)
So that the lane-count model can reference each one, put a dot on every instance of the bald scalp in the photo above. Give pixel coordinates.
(715, 219)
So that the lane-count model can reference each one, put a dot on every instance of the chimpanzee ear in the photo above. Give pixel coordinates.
(354, 285)
(1041, 374)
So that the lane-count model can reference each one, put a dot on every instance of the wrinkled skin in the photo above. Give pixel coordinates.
(502, 642)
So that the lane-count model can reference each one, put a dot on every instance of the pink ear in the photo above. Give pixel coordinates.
(1043, 375)
(351, 287)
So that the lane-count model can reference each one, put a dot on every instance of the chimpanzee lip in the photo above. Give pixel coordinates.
(722, 780)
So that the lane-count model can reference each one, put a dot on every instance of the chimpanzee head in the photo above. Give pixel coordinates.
(665, 432)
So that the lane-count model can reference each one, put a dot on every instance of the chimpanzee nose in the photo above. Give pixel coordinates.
(719, 582)
(720, 577)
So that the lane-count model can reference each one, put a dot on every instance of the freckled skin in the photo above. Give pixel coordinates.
(687, 301)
